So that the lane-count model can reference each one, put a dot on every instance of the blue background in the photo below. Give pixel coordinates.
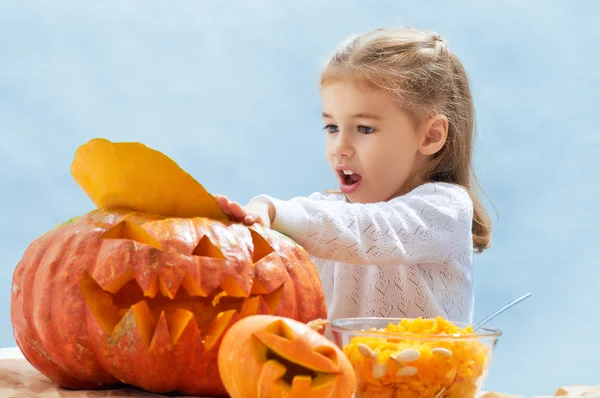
(230, 91)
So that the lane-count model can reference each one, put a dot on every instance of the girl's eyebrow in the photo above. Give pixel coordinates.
(366, 116)
(357, 116)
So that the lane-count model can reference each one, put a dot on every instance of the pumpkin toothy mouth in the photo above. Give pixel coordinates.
(292, 362)
(180, 305)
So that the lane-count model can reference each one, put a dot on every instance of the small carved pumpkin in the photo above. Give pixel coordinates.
(275, 357)
(141, 290)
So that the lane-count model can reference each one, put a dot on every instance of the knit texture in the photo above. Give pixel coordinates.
(407, 257)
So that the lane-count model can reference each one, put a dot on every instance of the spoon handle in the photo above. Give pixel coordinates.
(501, 310)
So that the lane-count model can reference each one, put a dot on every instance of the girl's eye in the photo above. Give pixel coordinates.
(366, 130)
(331, 128)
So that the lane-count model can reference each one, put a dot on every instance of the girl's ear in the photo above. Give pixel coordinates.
(433, 134)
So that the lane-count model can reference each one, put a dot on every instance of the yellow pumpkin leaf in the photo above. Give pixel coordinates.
(132, 175)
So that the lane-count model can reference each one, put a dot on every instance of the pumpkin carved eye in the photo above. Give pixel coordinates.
(205, 248)
(261, 247)
(130, 231)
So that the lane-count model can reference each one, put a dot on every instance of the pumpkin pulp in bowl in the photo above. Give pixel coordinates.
(401, 357)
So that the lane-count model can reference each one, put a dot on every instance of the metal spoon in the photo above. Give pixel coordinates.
(501, 310)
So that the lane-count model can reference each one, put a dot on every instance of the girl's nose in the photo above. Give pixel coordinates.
(343, 147)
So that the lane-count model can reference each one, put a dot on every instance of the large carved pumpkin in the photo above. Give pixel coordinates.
(264, 356)
(141, 290)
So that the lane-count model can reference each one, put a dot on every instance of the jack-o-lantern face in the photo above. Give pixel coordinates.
(268, 356)
(199, 283)
(122, 296)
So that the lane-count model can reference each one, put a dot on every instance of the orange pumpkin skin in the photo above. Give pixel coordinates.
(123, 297)
(264, 356)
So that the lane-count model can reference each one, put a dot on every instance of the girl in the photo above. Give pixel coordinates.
(398, 240)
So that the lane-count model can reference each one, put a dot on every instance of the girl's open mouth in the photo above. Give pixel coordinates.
(349, 181)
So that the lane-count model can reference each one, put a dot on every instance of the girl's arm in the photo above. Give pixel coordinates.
(432, 223)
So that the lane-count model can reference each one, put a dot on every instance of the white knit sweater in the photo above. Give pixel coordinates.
(408, 257)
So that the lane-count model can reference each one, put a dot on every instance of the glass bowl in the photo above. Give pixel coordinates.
(404, 357)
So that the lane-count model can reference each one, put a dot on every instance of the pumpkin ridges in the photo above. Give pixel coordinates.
(272, 272)
(90, 253)
(49, 283)
(24, 326)
(37, 338)
(305, 309)
(80, 359)
(287, 303)
(317, 305)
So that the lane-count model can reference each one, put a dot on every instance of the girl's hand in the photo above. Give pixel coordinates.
(259, 212)
(232, 209)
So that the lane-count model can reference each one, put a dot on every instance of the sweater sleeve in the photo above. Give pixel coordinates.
(432, 223)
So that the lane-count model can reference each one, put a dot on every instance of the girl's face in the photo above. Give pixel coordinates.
(372, 144)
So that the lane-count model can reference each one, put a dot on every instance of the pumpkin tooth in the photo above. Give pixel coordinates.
(322, 385)
(119, 282)
(146, 322)
(161, 337)
(301, 384)
(325, 384)
(152, 288)
(258, 287)
(164, 289)
(178, 323)
(158, 285)
(272, 299)
(254, 306)
(233, 288)
(251, 306)
(217, 327)
(191, 287)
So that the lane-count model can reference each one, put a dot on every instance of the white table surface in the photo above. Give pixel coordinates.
(11, 353)
(15, 353)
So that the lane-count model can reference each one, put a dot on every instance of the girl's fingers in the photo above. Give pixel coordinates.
(237, 211)
(224, 204)
(234, 210)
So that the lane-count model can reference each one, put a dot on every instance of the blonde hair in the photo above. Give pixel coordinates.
(423, 76)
